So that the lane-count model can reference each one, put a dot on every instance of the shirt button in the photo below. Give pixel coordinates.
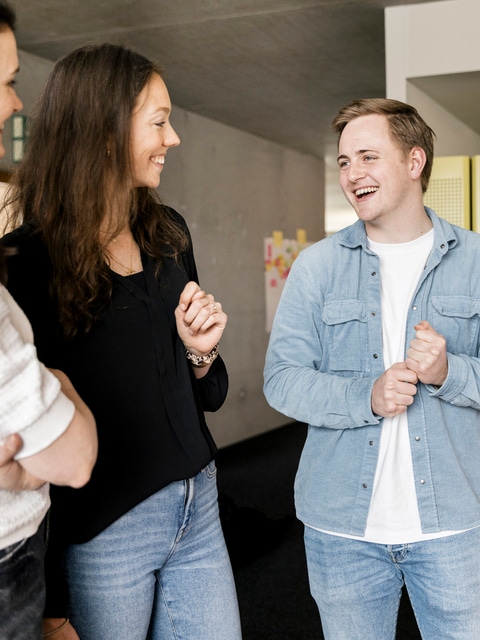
(417, 438)
(422, 481)
(364, 485)
(373, 314)
(374, 273)
(371, 443)
(415, 307)
(375, 355)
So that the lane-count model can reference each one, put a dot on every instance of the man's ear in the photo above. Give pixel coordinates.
(418, 159)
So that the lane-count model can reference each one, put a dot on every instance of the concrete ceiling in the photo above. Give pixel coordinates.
(279, 69)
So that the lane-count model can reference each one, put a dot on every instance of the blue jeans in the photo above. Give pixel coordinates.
(161, 571)
(22, 588)
(357, 585)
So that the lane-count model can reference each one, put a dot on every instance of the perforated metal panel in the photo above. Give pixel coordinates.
(448, 192)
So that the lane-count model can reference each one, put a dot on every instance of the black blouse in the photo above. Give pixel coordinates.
(131, 371)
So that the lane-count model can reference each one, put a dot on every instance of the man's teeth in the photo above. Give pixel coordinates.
(361, 192)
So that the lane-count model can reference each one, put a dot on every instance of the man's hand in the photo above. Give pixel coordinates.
(393, 392)
(12, 475)
(427, 355)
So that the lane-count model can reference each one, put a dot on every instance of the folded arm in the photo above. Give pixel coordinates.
(68, 460)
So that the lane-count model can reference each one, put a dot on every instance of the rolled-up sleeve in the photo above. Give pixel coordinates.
(32, 403)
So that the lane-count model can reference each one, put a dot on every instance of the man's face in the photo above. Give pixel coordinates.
(375, 173)
(9, 101)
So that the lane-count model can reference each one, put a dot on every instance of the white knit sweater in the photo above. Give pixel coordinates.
(31, 404)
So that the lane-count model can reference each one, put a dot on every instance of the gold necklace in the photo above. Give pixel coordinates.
(130, 270)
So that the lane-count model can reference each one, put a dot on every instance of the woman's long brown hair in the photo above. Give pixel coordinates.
(78, 154)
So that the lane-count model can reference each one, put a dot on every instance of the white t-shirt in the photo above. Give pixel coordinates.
(31, 404)
(393, 517)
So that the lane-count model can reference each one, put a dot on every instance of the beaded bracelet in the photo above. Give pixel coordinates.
(202, 361)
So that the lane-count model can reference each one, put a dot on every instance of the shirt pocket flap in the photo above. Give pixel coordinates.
(346, 334)
(341, 311)
(457, 319)
(456, 306)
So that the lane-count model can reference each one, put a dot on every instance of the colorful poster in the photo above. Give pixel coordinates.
(279, 255)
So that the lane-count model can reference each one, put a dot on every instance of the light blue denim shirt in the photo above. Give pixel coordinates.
(325, 353)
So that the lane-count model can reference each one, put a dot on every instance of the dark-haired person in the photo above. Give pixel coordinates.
(46, 431)
(107, 277)
(376, 345)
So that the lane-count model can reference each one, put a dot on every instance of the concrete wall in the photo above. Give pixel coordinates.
(429, 39)
(234, 189)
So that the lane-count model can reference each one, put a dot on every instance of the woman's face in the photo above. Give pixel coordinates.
(151, 133)
(9, 101)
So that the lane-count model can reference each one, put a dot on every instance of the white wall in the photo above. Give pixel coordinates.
(234, 189)
(452, 136)
(429, 39)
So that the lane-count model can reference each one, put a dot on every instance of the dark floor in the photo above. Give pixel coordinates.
(265, 539)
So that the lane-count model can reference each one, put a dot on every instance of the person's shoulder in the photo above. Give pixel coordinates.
(29, 250)
(174, 216)
(464, 237)
(327, 247)
(26, 234)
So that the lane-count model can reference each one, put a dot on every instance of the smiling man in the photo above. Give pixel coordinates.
(376, 346)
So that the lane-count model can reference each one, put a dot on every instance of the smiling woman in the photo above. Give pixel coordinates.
(107, 276)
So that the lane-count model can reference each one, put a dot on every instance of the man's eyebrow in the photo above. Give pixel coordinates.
(357, 153)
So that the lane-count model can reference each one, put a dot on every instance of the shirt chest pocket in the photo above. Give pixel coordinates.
(346, 335)
(457, 318)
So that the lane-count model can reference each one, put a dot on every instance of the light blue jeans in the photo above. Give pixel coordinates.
(357, 585)
(160, 572)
